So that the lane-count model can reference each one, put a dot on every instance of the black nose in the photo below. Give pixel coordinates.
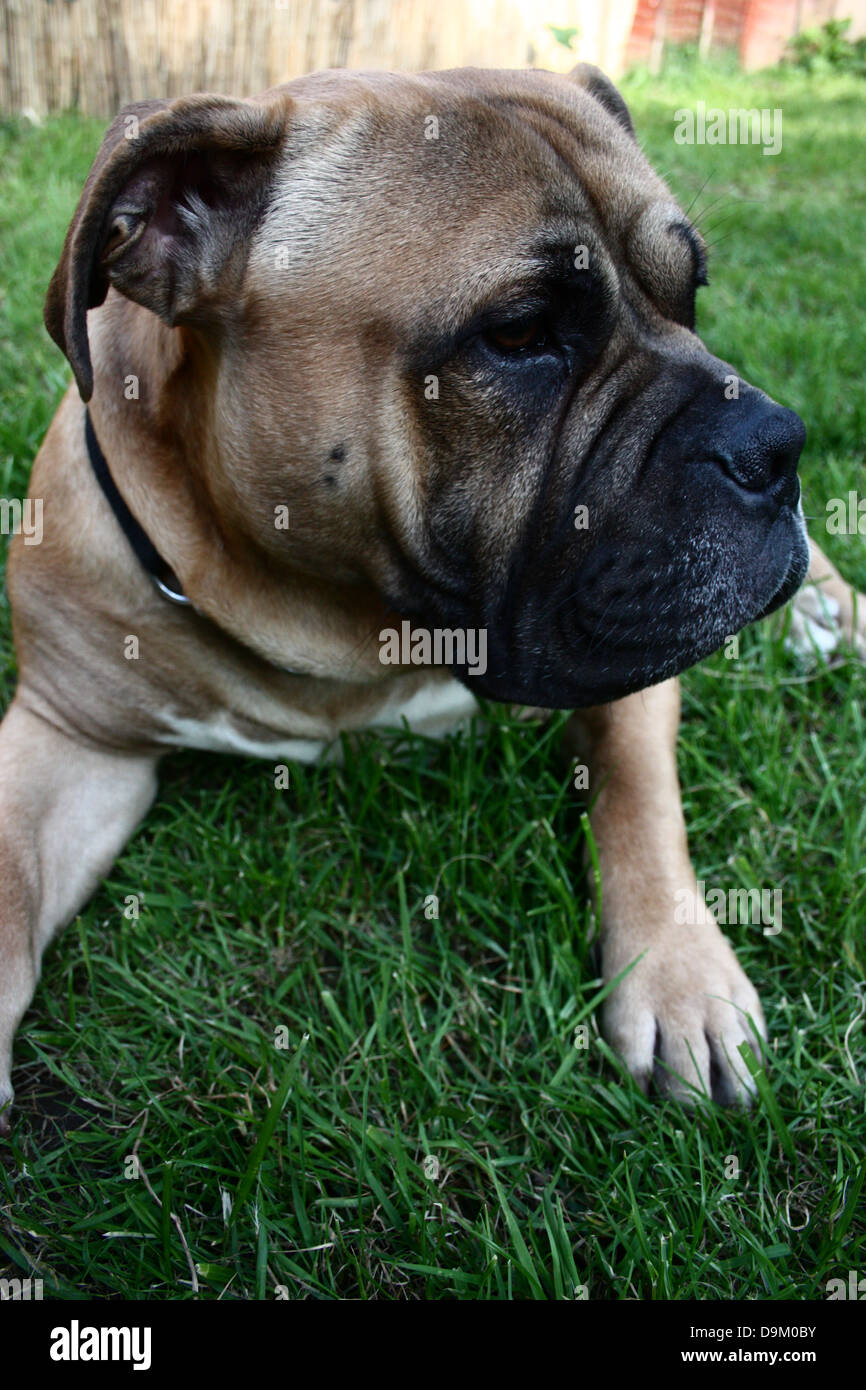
(763, 453)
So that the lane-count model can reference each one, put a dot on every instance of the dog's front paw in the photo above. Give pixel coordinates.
(827, 612)
(816, 624)
(681, 1013)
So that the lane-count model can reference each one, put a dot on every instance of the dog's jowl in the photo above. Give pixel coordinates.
(333, 376)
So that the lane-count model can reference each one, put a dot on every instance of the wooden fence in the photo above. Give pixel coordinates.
(94, 55)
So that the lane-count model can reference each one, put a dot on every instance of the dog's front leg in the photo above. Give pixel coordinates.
(66, 810)
(680, 1014)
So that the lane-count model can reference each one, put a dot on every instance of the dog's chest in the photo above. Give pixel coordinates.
(435, 709)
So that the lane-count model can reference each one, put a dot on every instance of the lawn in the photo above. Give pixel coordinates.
(285, 1079)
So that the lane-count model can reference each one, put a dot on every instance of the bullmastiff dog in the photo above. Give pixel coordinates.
(372, 350)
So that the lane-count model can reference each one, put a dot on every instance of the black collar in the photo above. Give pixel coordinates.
(149, 557)
(146, 552)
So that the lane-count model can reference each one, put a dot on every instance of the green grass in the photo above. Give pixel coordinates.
(408, 1038)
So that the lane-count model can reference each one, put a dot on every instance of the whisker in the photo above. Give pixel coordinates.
(711, 245)
(723, 219)
(698, 194)
(702, 212)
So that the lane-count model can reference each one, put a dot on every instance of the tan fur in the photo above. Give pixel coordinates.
(248, 378)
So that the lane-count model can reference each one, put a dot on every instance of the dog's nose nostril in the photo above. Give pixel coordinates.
(724, 460)
(764, 459)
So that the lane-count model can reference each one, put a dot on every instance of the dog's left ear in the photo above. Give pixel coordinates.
(170, 202)
(593, 80)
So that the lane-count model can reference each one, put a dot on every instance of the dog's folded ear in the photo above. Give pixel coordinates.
(593, 80)
(168, 207)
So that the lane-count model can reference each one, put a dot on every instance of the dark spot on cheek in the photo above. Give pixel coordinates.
(337, 455)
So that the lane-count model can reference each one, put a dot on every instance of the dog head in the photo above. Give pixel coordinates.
(448, 321)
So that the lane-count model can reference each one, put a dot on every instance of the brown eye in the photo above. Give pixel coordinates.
(516, 335)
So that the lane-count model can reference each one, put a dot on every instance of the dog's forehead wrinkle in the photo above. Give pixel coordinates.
(595, 153)
(662, 254)
(370, 153)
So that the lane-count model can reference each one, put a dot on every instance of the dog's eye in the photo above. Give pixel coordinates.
(517, 335)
